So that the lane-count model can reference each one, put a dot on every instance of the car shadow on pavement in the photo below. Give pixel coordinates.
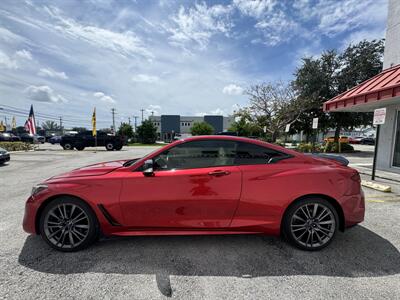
(358, 252)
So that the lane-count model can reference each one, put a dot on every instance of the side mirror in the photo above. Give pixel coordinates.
(148, 168)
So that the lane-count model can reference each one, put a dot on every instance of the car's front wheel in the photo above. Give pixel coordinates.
(311, 224)
(68, 224)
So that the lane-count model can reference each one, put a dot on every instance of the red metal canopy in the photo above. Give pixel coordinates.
(372, 93)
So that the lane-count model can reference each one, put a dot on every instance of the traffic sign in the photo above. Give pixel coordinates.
(379, 116)
(314, 123)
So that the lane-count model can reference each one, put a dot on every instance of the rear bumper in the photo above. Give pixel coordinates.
(353, 209)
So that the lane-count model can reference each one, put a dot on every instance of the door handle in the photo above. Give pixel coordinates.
(219, 173)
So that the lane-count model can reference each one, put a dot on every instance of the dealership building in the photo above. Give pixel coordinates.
(380, 91)
(170, 125)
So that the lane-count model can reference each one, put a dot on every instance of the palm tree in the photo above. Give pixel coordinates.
(50, 126)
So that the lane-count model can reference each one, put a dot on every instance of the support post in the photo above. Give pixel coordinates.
(378, 127)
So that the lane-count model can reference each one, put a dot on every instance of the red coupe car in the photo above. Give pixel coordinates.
(200, 185)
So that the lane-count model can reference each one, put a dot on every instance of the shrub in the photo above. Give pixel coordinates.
(201, 128)
(333, 147)
(15, 146)
(308, 148)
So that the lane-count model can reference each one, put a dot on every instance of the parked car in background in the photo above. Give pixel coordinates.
(367, 141)
(200, 185)
(55, 139)
(231, 133)
(342, 139)
(32, 138)
(9, 137)
(4, 156)
(85, 139)
(355, 140)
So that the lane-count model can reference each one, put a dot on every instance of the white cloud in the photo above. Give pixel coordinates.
(10, 37)
(44, 93)
(145, 78)
(254, 8)
(125, 43)
(153, 108)
(232, 89)
(7, 62)
(24, 54)
(277, 28)
(103, 97)
(47, 72)
(198, 24)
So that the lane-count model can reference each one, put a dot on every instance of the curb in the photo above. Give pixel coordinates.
(377, 186)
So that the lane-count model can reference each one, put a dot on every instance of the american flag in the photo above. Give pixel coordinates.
(30, 124)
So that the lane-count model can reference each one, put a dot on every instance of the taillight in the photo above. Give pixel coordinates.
(356, 177)
(354, 186)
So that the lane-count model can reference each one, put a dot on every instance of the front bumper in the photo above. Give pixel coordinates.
(4, 158)
(29, 222)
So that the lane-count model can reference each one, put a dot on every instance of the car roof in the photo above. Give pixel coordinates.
(238, 139)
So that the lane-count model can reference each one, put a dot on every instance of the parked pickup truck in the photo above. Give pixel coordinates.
(85, 139)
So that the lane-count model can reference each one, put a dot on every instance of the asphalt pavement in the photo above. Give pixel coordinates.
(363, 262)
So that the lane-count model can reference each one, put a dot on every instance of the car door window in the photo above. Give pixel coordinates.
(251, 154)
(197, 154)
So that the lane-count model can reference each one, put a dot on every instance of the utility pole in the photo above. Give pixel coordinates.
(129, 121)
(142, 110)
(113, 119)
(135, 117)
(61, 128)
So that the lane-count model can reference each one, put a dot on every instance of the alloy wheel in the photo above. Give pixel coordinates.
(313, 225)
(66, 226)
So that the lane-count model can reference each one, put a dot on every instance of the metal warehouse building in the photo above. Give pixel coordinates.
(381, 91)
(170, 125)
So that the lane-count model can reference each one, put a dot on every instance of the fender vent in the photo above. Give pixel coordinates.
(107, 215)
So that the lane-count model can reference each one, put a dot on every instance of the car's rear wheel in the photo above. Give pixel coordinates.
(67, 146)
(311, 224)
(110, 146)
(68, 224)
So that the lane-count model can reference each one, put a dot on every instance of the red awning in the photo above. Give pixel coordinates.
(379, 91)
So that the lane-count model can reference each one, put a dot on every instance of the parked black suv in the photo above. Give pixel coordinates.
(85, 139)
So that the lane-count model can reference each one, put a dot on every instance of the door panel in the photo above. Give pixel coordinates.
(192, 198)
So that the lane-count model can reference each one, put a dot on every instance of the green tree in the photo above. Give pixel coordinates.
(272, 106)
(79, 129)
(147, 132)
(201, 128)
(50, 126)
(321, 79)
(126, 130)
(244, 125)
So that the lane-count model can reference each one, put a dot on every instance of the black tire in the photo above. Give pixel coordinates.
(68, 146)
(316, 227)
(79, 148)
(118, 148)
(110, 146)
(56, 235)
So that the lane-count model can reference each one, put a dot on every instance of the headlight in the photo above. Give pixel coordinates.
(38, 188)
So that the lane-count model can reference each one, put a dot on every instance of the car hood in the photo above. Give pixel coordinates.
(92, 170)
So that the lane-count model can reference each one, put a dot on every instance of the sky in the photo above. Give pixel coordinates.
(164, 56)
